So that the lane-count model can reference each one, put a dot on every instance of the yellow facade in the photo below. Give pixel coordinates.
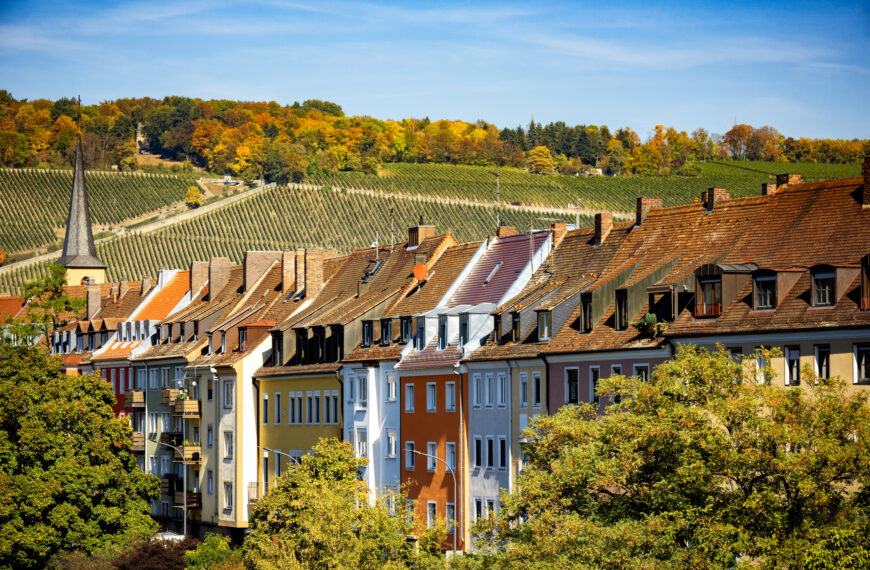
(524, 406)
(76, 276)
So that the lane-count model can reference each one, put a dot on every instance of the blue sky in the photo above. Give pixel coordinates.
(802, 67)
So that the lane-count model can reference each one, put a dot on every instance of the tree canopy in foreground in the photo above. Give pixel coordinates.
(704, 466)
(68, 480)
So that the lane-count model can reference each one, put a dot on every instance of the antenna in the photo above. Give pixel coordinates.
(552, 237)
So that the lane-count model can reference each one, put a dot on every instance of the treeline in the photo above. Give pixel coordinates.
(283, 143)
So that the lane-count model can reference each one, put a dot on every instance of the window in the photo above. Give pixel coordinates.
(442, 332)
(450, 454)
(490, 452)
(223, 342)
(209, 482)
(572, 386)
(709, 297)
(421, 333)
(409, 397)
(313, 399)
(243, 340)
(451, 517)
(391, 387)
(228, 444)
(502, 389)
(409, 455)
(793, 366)
(496, 326)
(330, 404)
(80, 339)
(536, 389)
(209, 436)
(431, 397)
(478, 508)
(524, 389)
(430, 514)
(620, 314)
(490, 507)
(616, 370)
(463, 330)
(265, 472)
(478, 451)
(386, 331)
(228, 394)
(367, 330)
(642, 372)
(823, 288)
(362, 390)
(390, 451)
(209, 390)
(362, 443)
(478, 394)
(490, 396)
(594, 375)
(277, 464)
(515, 326)
(228, 496)
(277, 407)
(823, 361)
(406, 329)
(765, 291)
(865, 283)
(432, 452)
(140, 378)
(502, 452)
(585, 312)
(265, 408)
(450, 397)
(862, 364)
(545, 324)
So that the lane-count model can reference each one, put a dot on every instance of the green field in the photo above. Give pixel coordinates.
(35, 202)
(284, 217)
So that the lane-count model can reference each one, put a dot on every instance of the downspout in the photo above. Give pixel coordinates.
(547, 380)
(461, 456)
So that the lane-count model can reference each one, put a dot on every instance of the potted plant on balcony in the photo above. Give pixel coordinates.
(649, 325)
(181, 395)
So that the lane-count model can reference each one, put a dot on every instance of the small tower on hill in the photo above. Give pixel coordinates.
(79, 254)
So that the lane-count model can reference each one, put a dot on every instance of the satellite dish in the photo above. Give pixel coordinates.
(420, 271)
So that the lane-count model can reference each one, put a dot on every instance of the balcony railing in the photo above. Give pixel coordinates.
(708, 310)
(134, 399)
(168, 395)
(169, 485)
(194, 500)
(187, 408)
(188, 454)
(138, 442)
(171, 438)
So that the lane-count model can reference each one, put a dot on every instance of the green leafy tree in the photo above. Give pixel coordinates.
(68, 479)
(50, 305)
(321, 515)
(214, 552)
(704, 466)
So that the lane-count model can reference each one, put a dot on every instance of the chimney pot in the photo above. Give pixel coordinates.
(787, 179)
(644, 206)
(767, 188)
(603, 225)
(417, 234)
(713, 196)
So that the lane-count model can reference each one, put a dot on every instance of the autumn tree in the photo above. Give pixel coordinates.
(703, 466)
(68, 478)
(540, 161)
(193, 198)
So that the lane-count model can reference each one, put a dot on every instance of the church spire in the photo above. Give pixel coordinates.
(79, 252)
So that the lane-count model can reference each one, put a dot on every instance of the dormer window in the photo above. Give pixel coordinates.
(210, 344)
(79, 342)
(386, 332)
(421, 333)
(367, 332)
(442, 332)
(586, 312)
(545, 325)
(223, 342)
(621, 312)
(243, 339)
(515, 326)
(764, 286)
(497, 327)
(865, 283)
(91, 344)
(824, 291)
(708, 296)
(463, 330)
(195, 330)
(104, 338)
(406, 329)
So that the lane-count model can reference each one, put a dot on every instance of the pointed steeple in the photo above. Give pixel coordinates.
(78, 247)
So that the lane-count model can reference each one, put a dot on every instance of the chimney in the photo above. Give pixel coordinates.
(559, 230)
(713, 196)
(603, 225)
(94, 299)
(505, 231)
(865, 171)
(256, 263)
(418, 233)
(115, 293)
(218, 275)
(314, 257)
(198, 276)
(787, 179)
(767, 188)
(644, 205)
(288, 272)
(123, 287)
(146, 285)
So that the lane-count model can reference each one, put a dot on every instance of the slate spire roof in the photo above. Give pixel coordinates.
(78, 246)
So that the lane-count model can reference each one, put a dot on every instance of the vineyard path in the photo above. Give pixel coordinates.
(202, 210)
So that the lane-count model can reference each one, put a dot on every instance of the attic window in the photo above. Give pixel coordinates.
(765, 291)
(823, 288)
(545, 325)
(406, 329)
(497, 328)
(709, 296)
(223, 343)
(586, 312)
(367, 330)
(463, 329)
(442, 332)
(621, 313)
(492, 273)
(243, 339)
(374, 269)
(515, 326)
(386, 332)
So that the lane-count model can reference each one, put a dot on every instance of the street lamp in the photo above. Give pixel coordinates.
(184, 478)
(453, 473)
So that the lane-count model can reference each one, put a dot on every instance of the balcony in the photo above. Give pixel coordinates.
(134, 399)
(169, 484)
(171, 438)
(138, 442)
(168, 395)
(194, 500)
(189, 454)
(703, 311)
(254, 493)
(187, 408)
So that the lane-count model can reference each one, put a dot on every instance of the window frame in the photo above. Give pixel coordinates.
(410, 460)
(594, 378)
(819, 351)
(764, 292)
(524, 390)
(431, 453)
(545, 325)
(409, 398)
(450, 397)
(792, 377)
(824, 275)
(576, 370)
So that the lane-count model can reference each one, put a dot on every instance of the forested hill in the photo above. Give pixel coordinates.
(284, 143)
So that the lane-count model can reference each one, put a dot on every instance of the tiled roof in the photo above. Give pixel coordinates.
(117, 350)
(308, 369)
(10, 307)
(166, 299)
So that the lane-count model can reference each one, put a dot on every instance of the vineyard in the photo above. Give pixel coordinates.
(36, 202)
(288, 217)
(603, 193)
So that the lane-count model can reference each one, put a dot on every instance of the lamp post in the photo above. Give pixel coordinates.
(184, 478)
(276, 452)
(453, 473)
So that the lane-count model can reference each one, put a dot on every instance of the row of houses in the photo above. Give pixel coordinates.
(431, 357)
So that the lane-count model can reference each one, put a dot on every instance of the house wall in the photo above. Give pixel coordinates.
(522, 413)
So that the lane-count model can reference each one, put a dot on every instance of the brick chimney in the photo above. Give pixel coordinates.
(559, 230)
(198, 276)
(767, 188)
(418, 233)
(218, 275)
(603, 225)
(644, 206)
(505, 231)
(94, 299)
(314, 257)
(713, 196)
(146, 284)
(256, 263)
(787, 179)
(288, 272)
(865, 171)
(115, 292)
